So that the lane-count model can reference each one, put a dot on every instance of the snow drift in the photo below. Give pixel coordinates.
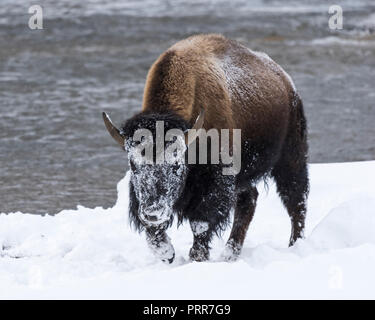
(93, 253)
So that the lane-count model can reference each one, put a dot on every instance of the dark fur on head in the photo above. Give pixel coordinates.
(147, 120)
(207, 194)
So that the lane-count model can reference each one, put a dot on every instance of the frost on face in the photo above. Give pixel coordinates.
(157, 186)
(175, 146)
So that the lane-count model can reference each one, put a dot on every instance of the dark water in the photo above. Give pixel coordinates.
(94, 56)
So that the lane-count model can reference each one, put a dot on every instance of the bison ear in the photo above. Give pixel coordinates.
(113, 131)
(189, 139)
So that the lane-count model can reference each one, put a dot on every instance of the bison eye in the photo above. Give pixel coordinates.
(132, 166)
(175, 168)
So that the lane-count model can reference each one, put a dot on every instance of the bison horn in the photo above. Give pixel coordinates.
(113, 131)
(189, 139)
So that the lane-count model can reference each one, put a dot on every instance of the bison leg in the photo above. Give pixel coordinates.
(202, 237)
(160, 244)
(211, 197)
(244, 212)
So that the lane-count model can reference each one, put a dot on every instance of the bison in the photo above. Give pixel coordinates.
(211, 82)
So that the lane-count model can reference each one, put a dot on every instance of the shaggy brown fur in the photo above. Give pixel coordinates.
(237, 88)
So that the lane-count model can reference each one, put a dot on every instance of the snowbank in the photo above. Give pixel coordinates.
(93, 253)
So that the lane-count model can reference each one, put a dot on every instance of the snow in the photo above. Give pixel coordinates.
(93, 253)
(199, 227)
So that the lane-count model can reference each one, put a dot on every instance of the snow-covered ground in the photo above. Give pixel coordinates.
(93, 253)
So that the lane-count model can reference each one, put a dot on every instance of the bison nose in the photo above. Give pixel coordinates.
(151, 218)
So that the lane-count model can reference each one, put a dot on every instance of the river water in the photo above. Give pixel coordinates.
(94, 55)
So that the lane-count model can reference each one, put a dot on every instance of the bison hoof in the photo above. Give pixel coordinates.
(231, 252)
(162, 248)
(199, 255)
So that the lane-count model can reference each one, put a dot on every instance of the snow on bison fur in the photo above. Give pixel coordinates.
(211, 82)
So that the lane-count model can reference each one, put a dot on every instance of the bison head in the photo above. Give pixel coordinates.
(155, 145)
